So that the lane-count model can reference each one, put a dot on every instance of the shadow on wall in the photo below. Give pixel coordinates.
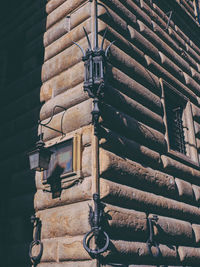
(23, 24)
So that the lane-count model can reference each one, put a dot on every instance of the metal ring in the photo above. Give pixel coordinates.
(32, 244)
(95, 252)
(154, 244)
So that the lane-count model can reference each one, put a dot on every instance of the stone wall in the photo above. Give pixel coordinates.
(138, 177)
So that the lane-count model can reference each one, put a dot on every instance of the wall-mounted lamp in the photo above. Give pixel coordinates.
(39, 157)
(95, 64)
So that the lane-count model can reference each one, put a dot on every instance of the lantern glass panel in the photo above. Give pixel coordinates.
(34, 159)
(39, 159)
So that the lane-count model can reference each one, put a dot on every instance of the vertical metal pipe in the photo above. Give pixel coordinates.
(96, 45)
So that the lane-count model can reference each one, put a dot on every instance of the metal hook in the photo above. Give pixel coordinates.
(53, 113)
(104, 36)
(95, 252)
(82, 50)
(169, 19)
(151, 242)
(86, 34)
(95, 220)
(107, 49)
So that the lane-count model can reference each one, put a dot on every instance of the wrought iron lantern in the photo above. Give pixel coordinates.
(39, 158)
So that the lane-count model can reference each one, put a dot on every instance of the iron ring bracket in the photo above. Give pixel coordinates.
(95, 252)
(153, 244)
(32, 244)
(151, 241)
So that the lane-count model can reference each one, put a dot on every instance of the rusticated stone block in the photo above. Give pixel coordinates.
(66, 100)
(63, 61)
(131, 128)
(53, 4)
(67, 24)
(196, 229)
(77, 193)
(124, 147)
(126, 223)
(72, 249)
(91, 263)
(129, 197)
(72, 119)
(172, 231)
(50, 250)
(196, 190)
(67, 220)
(135, 90)
(134, 174)
(64, 9)
(135, 252)
(189, 255)
(66, 40)
(185, 190)
(180, 169)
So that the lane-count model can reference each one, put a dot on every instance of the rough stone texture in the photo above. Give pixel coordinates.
(137, 175)
(129, 252)
(189, 255)
(112, 166)
(196, 229)
(136, 199)
(184, 189)
(173, 231)
(77, 193)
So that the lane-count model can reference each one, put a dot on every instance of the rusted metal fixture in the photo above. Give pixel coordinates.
(102, 239)
(36, 242)
(39, 158)
(151, 242)
(95, 68)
